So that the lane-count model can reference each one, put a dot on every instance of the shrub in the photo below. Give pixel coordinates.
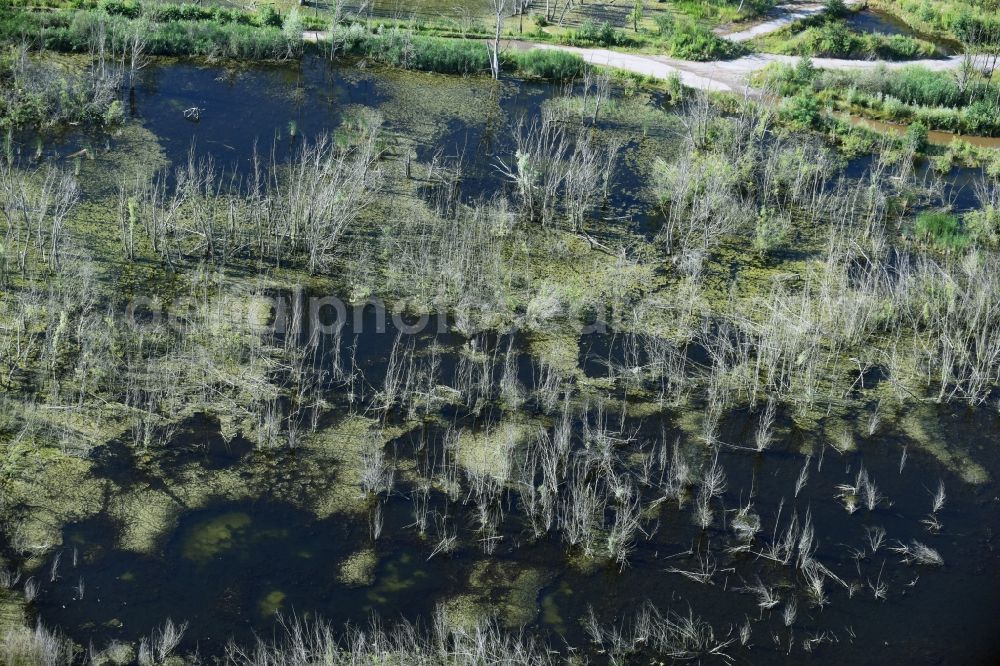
(983, 226)
(770, 231)
(674, 87)
(115, 115)
(664, 23)
(982, 117)
(292, 25)
(916, 136)
(803, 110)
(598, 34)
(691, 41)
(836, 8)
(268, 16)
(805, 72)
(129, 10)
(315, 23)
(399, 48)
(833, 38)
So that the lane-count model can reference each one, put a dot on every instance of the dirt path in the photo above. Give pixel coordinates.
(778, 18)
(720, 75)
(782, 16)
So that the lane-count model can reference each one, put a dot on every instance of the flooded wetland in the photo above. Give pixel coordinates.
(318, 361)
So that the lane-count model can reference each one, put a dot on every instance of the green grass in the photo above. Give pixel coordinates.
(833, 38)
(962, 20)
(551, 65)
(941, 230)
(192, 30)
(682, 39)
(906, 95)
(721, 11)
(398, 48)
(72, 31)
(689, 41)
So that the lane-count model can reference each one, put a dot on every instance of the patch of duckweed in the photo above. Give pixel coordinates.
(132, 149)
(341, 447)
(551, 602)
(271, 603)
(214, 536)
(559, 352)
(13, 615)
(47, 488)
(465, 611)
(358, 570)
(512, 591)
(491, 452)
(923, 427)
(422, 104)
(116, 654)
(398, 575)
(146, 516)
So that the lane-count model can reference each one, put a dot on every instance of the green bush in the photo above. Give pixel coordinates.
(691, 41)
(835, 39)
(129, 10)
(982, 117)
(664, 23)
(268, 16)
(73, 31)
(904, 95)
(836, 8)
(983, 226)
(594, 34)
(916, 136)
(802, 110)
(805, 72)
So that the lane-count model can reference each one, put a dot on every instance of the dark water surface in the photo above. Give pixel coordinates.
(230, 567)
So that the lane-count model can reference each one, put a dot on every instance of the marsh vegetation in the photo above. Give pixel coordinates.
(412, 367)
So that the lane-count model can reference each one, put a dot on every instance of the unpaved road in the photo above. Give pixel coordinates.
(783, 15)
(721, 75)
(718, 75)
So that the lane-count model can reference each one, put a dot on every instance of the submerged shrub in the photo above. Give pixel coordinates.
(983, 226)
(770, 231)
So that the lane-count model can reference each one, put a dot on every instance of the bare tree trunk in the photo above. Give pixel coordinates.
(499, 7)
